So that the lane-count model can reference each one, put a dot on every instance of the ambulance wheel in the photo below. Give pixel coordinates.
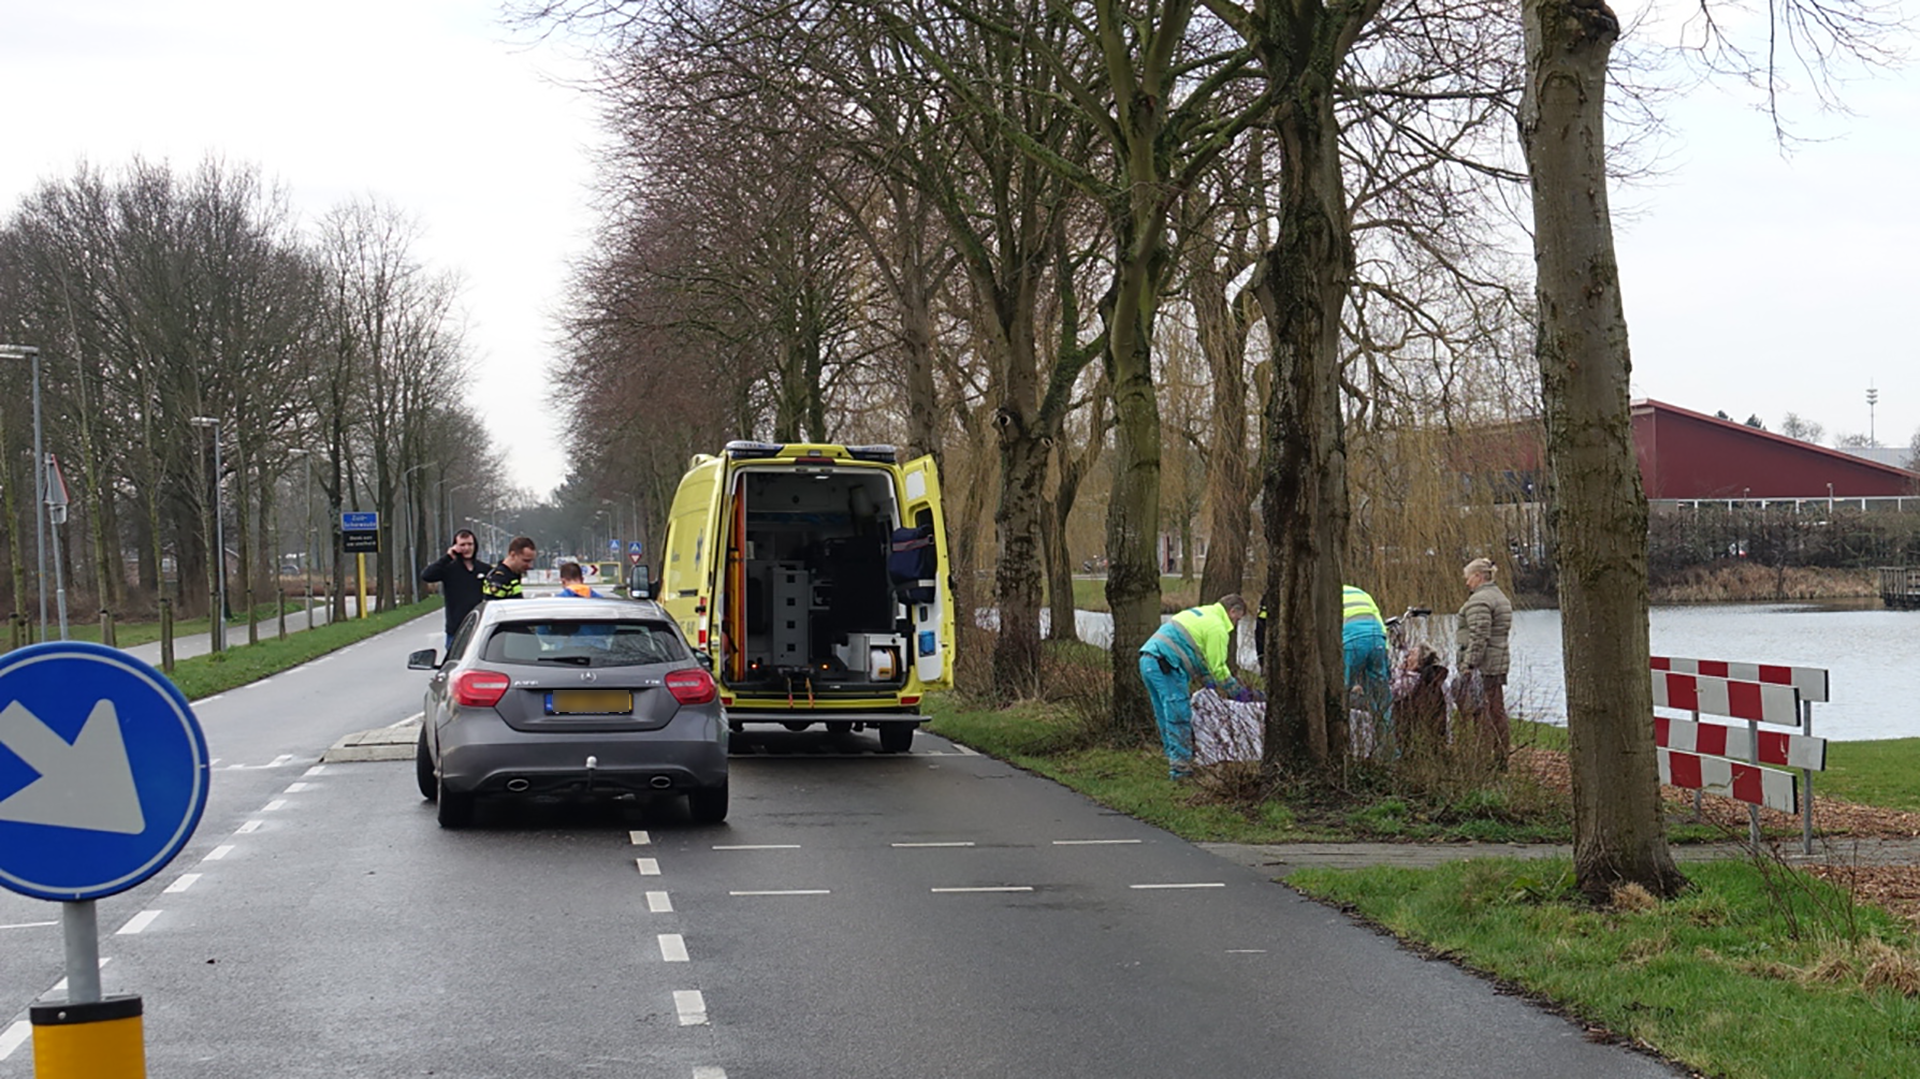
(896, 737)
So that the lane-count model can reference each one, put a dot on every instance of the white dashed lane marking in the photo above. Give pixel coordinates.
(691, 1006)
(186, 881)
(250, 826)
(657, 903)
(1093, 842)
(788, 891)
(1158, 887)
(649, 867)
(989, 888)
(967, 843)
(704, 1072)
(218, 852)
(273, 805)
(28, 925)
(296, 788)
(639, 839)
(16, 1036)
(138, 923)
(756, 846)
(673, 948)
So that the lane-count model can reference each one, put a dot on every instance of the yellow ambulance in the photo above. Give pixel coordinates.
(815, 578)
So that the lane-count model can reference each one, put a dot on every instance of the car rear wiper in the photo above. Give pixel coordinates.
(577, 661)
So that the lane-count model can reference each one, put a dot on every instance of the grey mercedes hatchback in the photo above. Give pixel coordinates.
(574, 697)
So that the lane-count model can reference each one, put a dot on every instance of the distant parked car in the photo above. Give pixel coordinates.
(585, 698)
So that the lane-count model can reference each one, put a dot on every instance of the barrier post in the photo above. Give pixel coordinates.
(166, 634)
(100, 1039)
(1806, 785)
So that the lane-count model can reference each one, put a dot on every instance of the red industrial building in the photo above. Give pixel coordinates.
(1688, 455)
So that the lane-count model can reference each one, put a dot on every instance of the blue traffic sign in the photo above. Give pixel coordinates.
(613, 546)
(103, 771)
(634, 548)
(360, 522)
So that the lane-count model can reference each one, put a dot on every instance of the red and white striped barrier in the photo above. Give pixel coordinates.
(1719, 740)
(1810, 681)
(1747, 782)
(1723, 697)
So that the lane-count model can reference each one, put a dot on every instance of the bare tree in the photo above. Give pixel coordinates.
(1793, 426)
(1597, 508)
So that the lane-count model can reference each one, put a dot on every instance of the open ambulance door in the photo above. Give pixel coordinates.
(932, 641)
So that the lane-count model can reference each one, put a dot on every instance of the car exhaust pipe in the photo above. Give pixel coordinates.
(517, 785)
(660, 782)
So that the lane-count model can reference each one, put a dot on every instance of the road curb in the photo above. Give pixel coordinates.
(394, 743)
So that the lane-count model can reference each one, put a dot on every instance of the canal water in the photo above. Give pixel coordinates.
(1872, 656)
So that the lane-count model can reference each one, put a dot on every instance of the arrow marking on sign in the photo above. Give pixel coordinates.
(87, 785)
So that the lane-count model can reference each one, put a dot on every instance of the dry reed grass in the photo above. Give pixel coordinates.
(1747, 582)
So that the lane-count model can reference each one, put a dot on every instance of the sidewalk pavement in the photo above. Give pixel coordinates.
(1283, 858)
(189, 645)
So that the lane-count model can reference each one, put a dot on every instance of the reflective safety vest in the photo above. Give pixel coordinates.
(1358, 605)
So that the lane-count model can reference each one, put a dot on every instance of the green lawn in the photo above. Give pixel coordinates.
(1755, 972)
(203, 676)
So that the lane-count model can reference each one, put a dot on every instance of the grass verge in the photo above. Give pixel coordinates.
(1751, 974)
(203, 676)
(1757, 971)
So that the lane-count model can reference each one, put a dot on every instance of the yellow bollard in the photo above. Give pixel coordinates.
(98, 1040)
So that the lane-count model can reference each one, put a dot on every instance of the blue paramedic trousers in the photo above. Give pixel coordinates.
(1172, 712)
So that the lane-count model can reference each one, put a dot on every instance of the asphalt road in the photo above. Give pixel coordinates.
(933, 914)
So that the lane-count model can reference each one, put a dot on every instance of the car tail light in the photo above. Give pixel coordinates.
(481, 689)
(691, 686)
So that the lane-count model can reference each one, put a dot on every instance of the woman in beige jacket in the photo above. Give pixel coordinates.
(1480, 658)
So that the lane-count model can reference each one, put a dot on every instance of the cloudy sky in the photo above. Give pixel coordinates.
(1756, 283)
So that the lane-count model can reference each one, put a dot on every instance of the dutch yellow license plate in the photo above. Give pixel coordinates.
(590, 702)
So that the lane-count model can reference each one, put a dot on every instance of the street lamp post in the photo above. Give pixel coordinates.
(413, 569)
(219, 618)
(306, 560)
(32, 356)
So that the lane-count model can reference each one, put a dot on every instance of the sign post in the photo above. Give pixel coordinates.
(115, 781)
(360, 536)
(634, 552)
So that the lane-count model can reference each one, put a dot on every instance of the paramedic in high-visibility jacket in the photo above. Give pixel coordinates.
(1192, 646)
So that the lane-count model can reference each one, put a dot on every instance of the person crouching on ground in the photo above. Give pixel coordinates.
(1363, 639)
(1191, 646)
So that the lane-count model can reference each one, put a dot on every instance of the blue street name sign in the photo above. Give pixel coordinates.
(103, 771)
(360, 522)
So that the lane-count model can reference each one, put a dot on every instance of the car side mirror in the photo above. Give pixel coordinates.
(639, 582)
(423, 660)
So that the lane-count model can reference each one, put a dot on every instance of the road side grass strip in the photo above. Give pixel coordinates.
(1041, 739)
(203, 676)
(1756, 972)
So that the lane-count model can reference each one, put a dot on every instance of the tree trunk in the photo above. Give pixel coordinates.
(1301, 289)
(1223, 340)
(1597, 508)
(1133, 506)
(1023, 470)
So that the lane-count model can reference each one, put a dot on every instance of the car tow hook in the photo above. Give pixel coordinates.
(592, 763)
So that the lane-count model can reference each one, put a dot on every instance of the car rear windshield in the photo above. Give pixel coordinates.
(586, 643)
